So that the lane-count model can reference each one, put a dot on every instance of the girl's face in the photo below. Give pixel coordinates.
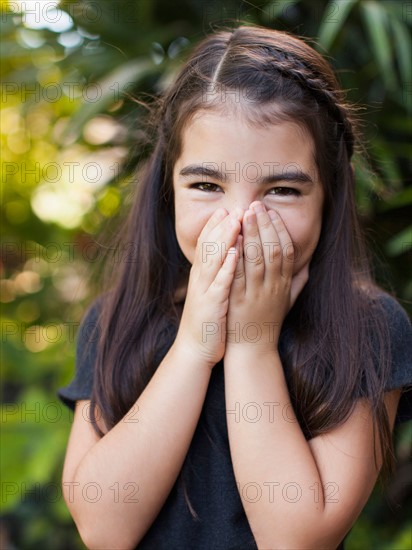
(226, 163)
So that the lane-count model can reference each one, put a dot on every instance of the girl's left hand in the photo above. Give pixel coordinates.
(264, 288)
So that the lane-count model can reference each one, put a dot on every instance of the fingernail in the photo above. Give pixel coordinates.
(238, 212)
(258, 208)
(250, 218)
(235, 214)
(220, 212)
(272, 215)
(233, 219)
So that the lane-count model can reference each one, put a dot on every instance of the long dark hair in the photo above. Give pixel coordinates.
(338, 345)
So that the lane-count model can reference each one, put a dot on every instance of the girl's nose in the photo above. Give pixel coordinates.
(241, 204)
(238, 212)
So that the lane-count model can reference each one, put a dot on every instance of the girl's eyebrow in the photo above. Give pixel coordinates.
(297, 176)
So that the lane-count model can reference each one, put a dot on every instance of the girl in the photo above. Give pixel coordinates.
(247, 373)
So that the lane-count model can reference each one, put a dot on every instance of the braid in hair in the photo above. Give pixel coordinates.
(309, 78)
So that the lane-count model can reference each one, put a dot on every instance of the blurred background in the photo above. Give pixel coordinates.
(71, 137)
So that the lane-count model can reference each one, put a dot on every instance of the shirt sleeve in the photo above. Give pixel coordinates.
(87, 337)
(400, 332)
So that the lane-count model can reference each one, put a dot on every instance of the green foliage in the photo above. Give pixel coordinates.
(70, 139)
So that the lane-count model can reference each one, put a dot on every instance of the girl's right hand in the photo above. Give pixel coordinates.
(202, 329)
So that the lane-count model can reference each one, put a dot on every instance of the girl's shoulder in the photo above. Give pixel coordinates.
(385, 307)
(92, 312)
(381, 302)
(80, 387)
(399, 335)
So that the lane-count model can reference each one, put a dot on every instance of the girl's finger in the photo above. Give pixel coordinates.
(254, 263)
(212, 248)
(224, 278)
(286, 245)
(239, 281)
(271, 248)
(217, 216)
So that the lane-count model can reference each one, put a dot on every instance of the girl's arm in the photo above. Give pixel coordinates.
(115, 486)
(296, 494)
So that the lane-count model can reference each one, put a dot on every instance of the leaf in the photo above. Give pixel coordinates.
(400, 243)
(109, 90)
(375, 19)
(333, 21)
(386, 162)
(400, 200)
(403, 47)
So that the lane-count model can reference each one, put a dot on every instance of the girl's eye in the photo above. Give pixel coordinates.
(204, 186)
(284, 191)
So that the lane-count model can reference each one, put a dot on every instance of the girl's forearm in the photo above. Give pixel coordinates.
(135, 465)
(277, 476)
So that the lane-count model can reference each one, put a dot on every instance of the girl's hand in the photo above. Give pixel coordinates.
(264, 288)
(202, 326)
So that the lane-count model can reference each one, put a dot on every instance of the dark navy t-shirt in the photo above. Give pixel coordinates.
(220, 522)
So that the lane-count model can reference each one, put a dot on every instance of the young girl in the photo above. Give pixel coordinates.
(246, 375)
